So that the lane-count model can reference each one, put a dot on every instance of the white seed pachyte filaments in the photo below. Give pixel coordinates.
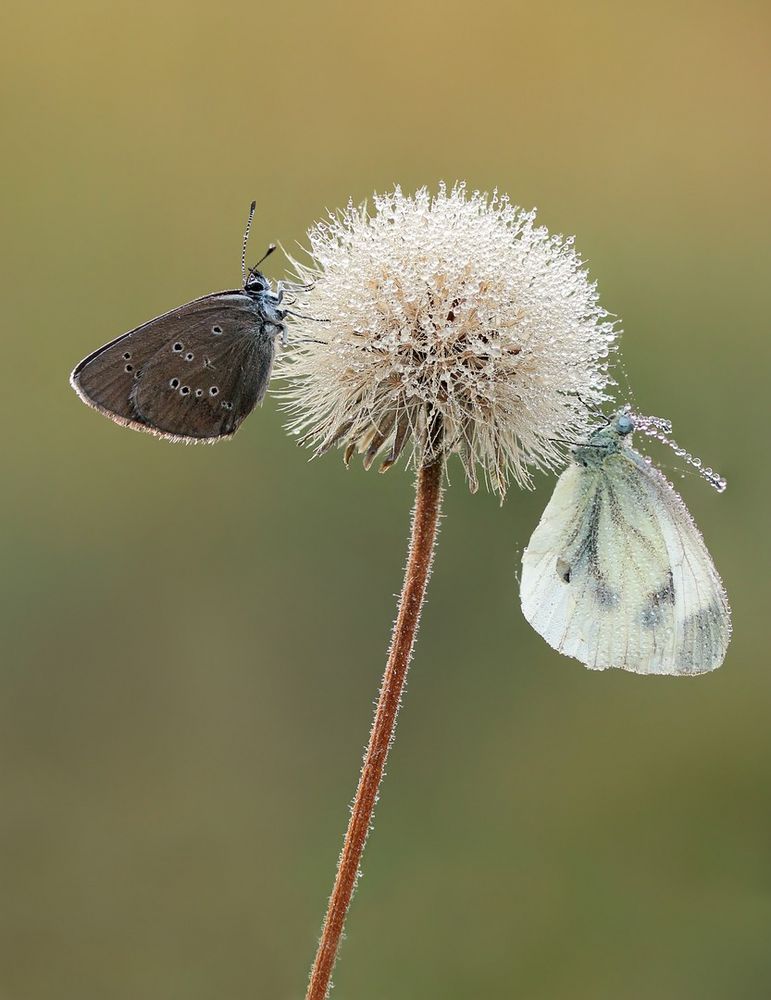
(454, 324)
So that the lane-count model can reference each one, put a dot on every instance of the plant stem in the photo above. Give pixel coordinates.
(425, 519)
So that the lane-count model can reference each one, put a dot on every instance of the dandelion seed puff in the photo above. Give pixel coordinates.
(454, 324)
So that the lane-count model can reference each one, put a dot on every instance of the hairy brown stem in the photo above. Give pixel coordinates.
(425, 519)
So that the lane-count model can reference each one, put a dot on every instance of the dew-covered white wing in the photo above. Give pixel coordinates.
(617, 574)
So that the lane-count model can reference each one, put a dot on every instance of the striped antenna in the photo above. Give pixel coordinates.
(252, 207)
(659, 428)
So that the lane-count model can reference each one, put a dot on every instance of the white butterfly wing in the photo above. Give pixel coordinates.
(617, 575)
(702, 613)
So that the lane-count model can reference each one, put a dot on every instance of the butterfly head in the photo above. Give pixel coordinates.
(256, 283)
(623, 423)
(266, 302)
(606, 440)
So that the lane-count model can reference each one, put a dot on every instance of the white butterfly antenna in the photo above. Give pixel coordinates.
(661, 429)
(252, 208)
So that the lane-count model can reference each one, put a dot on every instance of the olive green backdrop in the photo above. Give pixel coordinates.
(193, 637)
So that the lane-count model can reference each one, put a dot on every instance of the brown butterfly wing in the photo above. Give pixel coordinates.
(225, 329)
(204, 391)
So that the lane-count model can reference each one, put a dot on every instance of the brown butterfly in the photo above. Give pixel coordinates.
(192, 374)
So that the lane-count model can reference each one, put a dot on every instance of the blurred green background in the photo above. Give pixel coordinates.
(193, 637)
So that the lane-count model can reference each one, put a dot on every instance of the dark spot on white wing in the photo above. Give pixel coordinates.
(185, 390)
(174, 383)
(213, 390)
(563, 569)
(189, 356)
(216, 330)
(653, 611)
(651, 616)
(177, 347)
(604, 596)
(703, 639)
(666, 595)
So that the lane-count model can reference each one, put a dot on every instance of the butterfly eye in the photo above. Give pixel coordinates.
(185, 390)
(216, 330)
(177, 347)
(213, 390)
(174, 383)
(129, 368)
(189, 356)
(256, 282)
(226, 405)
(198, 393)
(127, 355)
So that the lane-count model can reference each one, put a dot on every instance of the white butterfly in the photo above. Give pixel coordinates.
(616, 573)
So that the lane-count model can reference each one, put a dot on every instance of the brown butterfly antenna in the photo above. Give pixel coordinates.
(252, 208)
(268, 252)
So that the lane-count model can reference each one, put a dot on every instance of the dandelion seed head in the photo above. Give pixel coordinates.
(453, 324)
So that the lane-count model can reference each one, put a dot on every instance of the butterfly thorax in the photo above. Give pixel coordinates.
(604, 442)
(600, 446)
(258, 288)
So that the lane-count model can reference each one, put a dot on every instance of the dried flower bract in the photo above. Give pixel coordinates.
(453, 324)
